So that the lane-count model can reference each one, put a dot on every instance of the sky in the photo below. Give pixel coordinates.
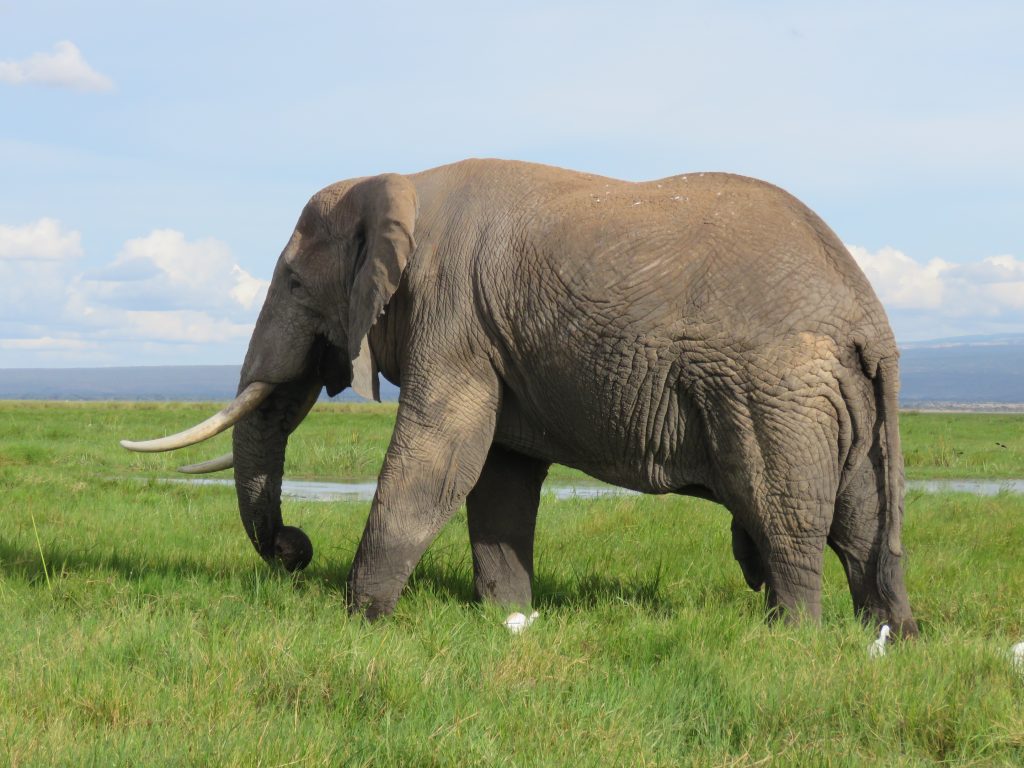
(154, 156)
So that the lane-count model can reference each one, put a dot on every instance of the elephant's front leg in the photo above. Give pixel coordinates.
(437, 450)
(502, 511)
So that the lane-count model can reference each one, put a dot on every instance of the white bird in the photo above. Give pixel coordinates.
(877, 648)
(517, 622)
(1018, 657)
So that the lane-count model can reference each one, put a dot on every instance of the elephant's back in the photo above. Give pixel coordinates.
(721, 255)
(734, 255)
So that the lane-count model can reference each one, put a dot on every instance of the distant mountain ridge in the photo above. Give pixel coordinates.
(990, 340)
(157, 382)
(965, 371)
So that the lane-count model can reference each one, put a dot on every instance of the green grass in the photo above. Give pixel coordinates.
(140, 629)
(938, 445)
(347, 442)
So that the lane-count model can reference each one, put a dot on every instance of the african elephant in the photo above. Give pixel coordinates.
(704, 334)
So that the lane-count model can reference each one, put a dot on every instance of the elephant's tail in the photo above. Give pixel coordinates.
(884, 373)
(887, 389)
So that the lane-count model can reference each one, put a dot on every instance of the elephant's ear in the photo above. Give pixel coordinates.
(387, 206)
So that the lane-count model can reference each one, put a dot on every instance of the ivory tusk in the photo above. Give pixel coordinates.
(227, 461)
(247, 401)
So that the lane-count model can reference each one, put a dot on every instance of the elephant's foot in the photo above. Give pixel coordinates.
(905, 628)
(897, 615)
(500, 576)
(793, 580)
(878, 590)
(380, 572)
(893, 593)
(375, 599)
(790, 609)
(371, 608)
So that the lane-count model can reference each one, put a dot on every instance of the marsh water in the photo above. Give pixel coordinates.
(312, 490)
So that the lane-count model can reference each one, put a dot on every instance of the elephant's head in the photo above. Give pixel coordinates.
(334, 279)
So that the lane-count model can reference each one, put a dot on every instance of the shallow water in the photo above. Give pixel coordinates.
(311, 490)
(976, 487)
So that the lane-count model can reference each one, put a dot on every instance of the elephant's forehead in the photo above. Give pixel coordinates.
(324, 207)
(329, 196)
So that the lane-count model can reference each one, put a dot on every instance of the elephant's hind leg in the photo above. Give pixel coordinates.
(502, 512)
(794, 565)
(879, 593)
(781, 484)
(779, 541)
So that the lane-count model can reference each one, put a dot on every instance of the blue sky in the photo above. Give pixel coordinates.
(155, 155)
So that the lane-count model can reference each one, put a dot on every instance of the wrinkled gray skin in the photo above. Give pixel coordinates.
(704, 334)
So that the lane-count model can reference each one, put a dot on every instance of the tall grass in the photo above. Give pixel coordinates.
(938, 445)
(162, 640)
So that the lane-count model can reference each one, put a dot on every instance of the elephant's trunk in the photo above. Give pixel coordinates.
(259, 447)
(259, 443)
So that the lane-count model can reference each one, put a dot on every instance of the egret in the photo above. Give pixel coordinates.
(517, 622)
(877, 648)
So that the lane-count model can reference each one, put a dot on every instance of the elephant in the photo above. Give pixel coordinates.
(705, 334)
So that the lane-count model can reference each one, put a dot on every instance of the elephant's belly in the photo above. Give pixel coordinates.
(518, 432)
(658, 455)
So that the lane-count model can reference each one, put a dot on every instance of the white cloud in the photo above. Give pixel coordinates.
(46, 343)
(938, 298)
(175, 326)
(248, 289)
(165, 272)
(162, 299)
(36, 263)
(64, 67)
(33, 291)
(42, 240)
(901, 282)
(167, 289)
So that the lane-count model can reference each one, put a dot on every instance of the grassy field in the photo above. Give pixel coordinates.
(140, 629)
(939, 445)
(347, 442)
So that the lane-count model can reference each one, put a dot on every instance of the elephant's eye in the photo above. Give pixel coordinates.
(294, 286)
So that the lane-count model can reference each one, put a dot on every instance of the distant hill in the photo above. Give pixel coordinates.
(968, 371)
(179, 382)
(964, 370)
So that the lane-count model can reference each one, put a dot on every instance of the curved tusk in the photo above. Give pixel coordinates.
(227, 461)
(247, 401)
